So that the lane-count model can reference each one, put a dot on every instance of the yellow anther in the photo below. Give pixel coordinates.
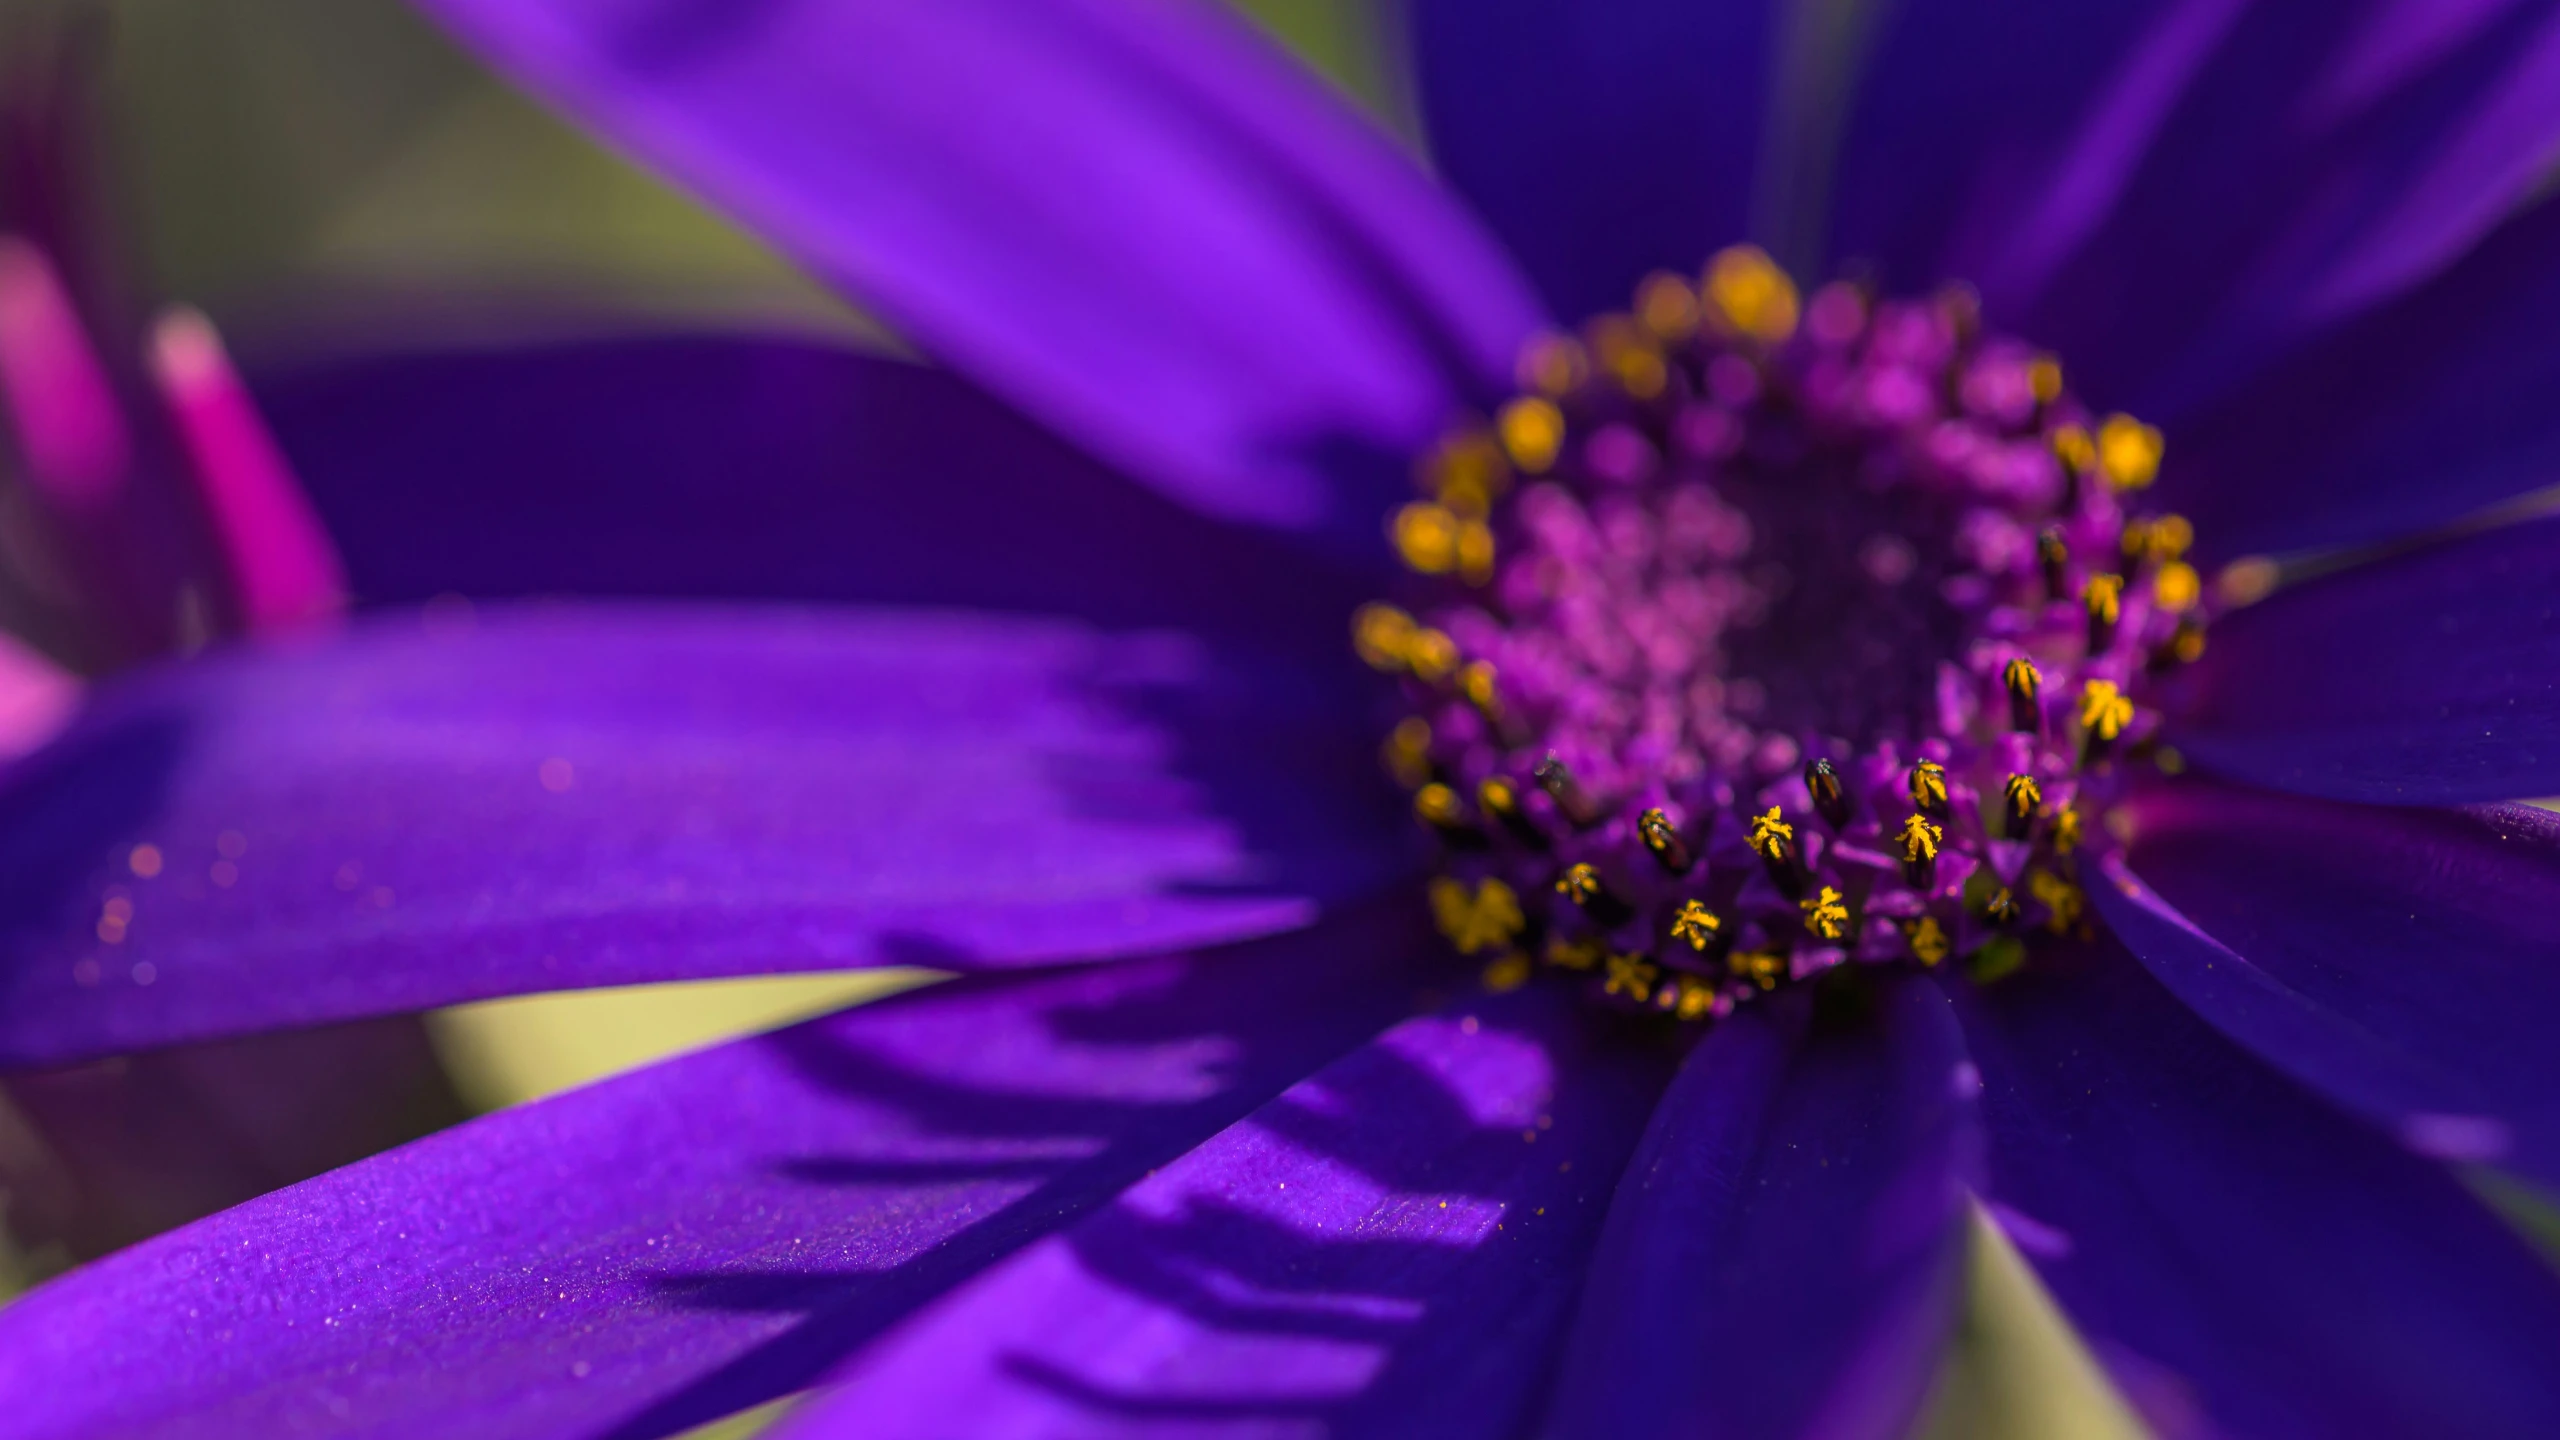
(2104, 710)
(1698, 925)
(2165, 538)
(1476, 682)
(2066, 832)
(1771, 834)
(2104, 597)
(2044, 379)
(1628, 354)
(1408, 752)
(1465, 471)
(1825, 915)
(1431, 655)
(1574, 954)
(1632, 976)
(1426, 535)
(2025, 797)
(1475, 551)
(2186, 643)
(1507, 972)
(1764, 968)
(2128, 452)
(1920, 839)
(1532, 433)
(1928, 940)
(1580, 883)
(1553, 364)
(1667, 306)
(1696, 1000)
(1929, 785)
(1438, 806)
(1748, 294)
(1498, 796)
(2060, 898)
(1487, 918)
(2073, 447)
(2021, 677)
(2177, 588)
(2246, 581)
(1383, 635)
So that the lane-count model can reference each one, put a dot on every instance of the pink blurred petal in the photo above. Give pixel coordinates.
(283, 570)
(55, 395)
(36, 698)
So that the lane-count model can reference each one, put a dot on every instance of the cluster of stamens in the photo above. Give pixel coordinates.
(1760, 634)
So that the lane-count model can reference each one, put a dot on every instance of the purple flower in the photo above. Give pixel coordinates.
(1263, 1173)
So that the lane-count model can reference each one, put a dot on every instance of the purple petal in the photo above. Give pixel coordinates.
(1804, 1182)
(2401, 962)
(1136, 221)
(2415, 413)
(2243, 1259)
(559, 797)
(1390, 1248)
(2231, 179)
(618, 467)
(663, 1248)
(1603, 138)
(2432, 678)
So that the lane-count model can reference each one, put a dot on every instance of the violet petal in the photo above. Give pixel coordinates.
(2242, 1258)
(2401, 962)
(445, 808)
(665, 1247)
(2431, 678)
(1391, 1248)
(1139, 222)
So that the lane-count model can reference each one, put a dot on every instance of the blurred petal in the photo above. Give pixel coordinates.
(2232, 178)
(1602, 138)
(681, 1242)
(2401, 962)
(1137, 221)
(62, 412)
(1390, 1248)
(1806, 1185)
(426, 813)
(2242, 1258)
(2431, 678)
(2413, 414)
(623, 467)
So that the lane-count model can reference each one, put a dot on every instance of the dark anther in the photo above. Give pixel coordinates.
(1574, 802)
(1437, 806)
(1830, 797)
(1928, 785)
(2023, 682)
(2056, 558)
(2104, 598)
(2001, 908)
(1501, 800)
(1665, 842)
(1583, 885)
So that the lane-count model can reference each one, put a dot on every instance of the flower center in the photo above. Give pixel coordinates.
(1759, 634)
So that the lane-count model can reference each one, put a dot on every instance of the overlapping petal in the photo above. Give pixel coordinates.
(1136, 221)
(1604, 138)
(1805, 1181)
(2242, 1258)
(439, 809)
(654, 1251)
(2430, 678)
(2406, 963)
(762, 467)
(1390, 1248)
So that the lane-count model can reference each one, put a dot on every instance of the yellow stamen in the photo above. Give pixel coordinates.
(1929, 942)
(1929, 785)
(1747, 294)
(1698, 925)
(1489, 918)
(1696, 999)
(1629, 355)
(2129, 452)
(1383, 635)
(2104, 596)
(1580, 883)
(2025, 797)
(1431, 655)
(1667, 306)
(1465, 472)
(1476, 682)
(1553, 364)
(1475, 552)
(2044, 379)
(1632, 976)
(1426, 535)
(1764, 968)
(1920, 839)
(2104, 710)
(2073, 447)
(2022, 677)
(2066, 832)
(2058, 896)
(1438, 806)
(1408, 752)
(1507, 972)
(1574, 954)
(2177, 588)
(1825, 915)
(1770, 834)
(1532, 433)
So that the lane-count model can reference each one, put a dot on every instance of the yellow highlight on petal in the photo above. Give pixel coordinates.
(1748, 294)
(2129, 452)
(1532, 433)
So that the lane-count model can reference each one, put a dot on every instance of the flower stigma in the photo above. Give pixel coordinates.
(1760, 636)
